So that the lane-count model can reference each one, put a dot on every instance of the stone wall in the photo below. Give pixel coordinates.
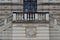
(30, 32)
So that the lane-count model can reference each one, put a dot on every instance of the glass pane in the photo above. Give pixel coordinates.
(30, 5)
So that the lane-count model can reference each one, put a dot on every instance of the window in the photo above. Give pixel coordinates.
(27, 0)
(30, 5)
(50, 0)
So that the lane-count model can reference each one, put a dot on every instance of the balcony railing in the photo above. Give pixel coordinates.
(58, 21)
(54, 20)
(1, 22)
(5, 21)
(20, 17)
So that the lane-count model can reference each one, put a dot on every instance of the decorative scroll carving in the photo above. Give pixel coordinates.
(30, 31)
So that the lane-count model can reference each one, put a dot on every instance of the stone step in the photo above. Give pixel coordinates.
(19, 28)
(55, 33)
(31, 38)
(6, 34)
(42, 27)
(19, 35)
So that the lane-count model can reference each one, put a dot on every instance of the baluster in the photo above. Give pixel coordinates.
(25, 15)
(17, 17)
(33, 16)
(5, 21)
(36, 16)
(14, 17)
(28, 17)
(40, 16)
(47, 17)
(21, 16)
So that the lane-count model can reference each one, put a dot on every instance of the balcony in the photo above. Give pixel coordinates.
(37, 17)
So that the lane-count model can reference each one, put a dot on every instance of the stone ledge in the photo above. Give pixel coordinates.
(31, 25)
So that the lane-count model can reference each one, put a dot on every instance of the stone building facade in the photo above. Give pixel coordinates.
(37, 26)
